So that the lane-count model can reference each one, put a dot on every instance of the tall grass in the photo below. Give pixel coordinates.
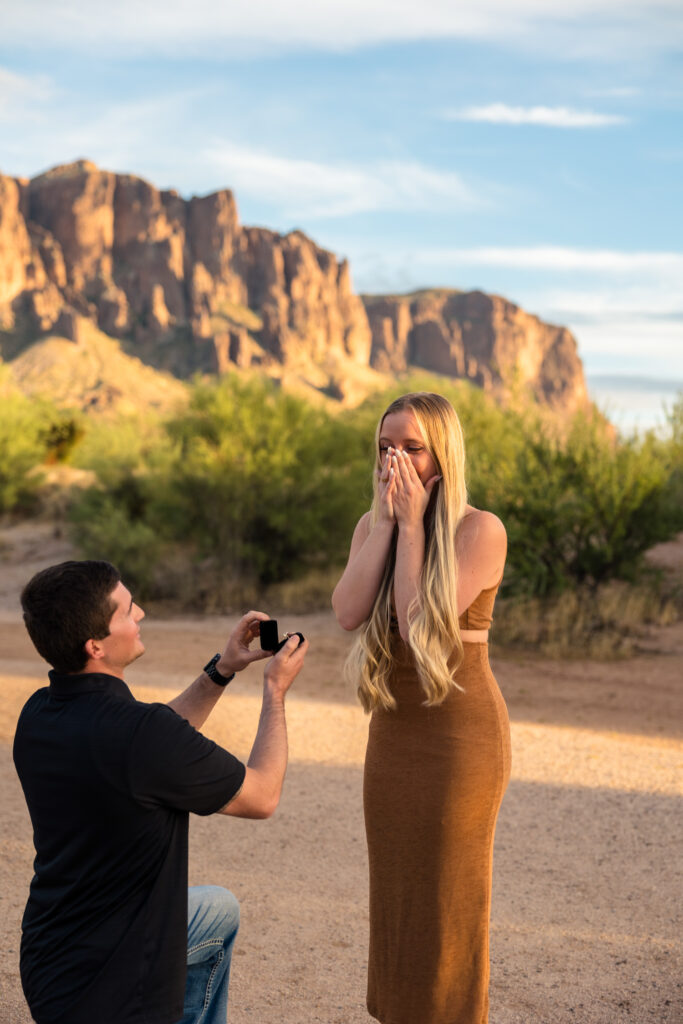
(607, 621)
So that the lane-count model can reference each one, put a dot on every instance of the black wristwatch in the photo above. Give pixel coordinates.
(213, 673)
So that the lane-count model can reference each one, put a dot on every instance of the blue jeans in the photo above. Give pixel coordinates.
(212, 923)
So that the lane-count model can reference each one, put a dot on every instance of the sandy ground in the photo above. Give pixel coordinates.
(586, 924)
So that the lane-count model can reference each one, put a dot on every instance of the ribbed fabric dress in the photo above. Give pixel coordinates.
(434, 780)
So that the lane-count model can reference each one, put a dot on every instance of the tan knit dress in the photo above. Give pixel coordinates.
(434, 780)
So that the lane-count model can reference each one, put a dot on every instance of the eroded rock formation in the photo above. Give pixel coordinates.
(481, 337)
(186, 288)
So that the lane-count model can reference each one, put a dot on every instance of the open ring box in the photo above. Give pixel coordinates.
(269, 636)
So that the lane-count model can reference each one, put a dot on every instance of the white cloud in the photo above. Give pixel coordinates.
(651, 347)
(21, 95)
(624, 308)
(133, 136)
(554, 117)
(161, 26)
(307, 188)
(588, 285)
(557, 258)
(617, 92)
(653, 300)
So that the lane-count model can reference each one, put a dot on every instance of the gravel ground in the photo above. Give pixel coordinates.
(587, 861)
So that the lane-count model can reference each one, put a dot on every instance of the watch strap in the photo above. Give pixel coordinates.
(213, 673)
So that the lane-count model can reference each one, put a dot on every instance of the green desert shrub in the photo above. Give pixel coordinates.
(32, 432)
(580, 506)
(21, 450)
(250, 482)
(118, 447)
(253, 485)
(672, 450)
(109, 525)
(263, 482)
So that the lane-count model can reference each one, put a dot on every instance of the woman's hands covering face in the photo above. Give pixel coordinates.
(409, 496)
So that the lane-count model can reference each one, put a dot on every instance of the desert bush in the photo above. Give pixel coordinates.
(580, 506)
(108, 524)
(262, 482)
(250, 482)
(672, 446)
(62, 431)
(21, 449)
(253, 485)
(32, 432)
(115, 448)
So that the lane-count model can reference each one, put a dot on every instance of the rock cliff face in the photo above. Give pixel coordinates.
(181, 281)
(483, 338)
(186, 288)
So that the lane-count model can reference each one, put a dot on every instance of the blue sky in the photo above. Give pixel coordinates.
(522, 148)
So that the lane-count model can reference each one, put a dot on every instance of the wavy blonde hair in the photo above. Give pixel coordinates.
(433, 632)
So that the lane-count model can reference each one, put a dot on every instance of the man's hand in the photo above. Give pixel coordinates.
(237, 654)
(265, 772)
(285, 666)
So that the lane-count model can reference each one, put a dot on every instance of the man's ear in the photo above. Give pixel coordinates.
(93, 650)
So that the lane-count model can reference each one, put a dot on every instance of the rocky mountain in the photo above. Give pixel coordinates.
(185, 288)
(484, 338)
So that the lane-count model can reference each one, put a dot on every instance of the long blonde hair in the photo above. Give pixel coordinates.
(433, 632)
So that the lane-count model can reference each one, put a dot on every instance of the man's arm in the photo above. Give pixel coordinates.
(196, 703)
(260, 792)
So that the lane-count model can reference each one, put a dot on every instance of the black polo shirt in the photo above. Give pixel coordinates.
(109, 783)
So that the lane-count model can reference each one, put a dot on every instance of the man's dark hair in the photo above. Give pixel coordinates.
(67, 604)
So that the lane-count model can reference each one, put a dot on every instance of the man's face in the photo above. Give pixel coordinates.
(123, 644)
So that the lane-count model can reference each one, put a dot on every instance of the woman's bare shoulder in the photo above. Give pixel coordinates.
(481, 522)
(481, 544)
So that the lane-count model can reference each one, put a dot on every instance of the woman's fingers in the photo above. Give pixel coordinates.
(411, 496)
(384, 471)
(403, 467)
(386, 486)
(386, 475)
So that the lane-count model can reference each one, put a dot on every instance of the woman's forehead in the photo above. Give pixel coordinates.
(401, 425)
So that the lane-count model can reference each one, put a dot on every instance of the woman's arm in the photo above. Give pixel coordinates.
(355, 594)
(356, 591)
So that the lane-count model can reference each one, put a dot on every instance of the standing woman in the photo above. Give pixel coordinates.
(421, 581)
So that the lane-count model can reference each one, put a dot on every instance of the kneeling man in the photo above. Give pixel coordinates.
(109, 935)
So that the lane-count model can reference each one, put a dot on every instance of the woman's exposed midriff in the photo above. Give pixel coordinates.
(474, 636)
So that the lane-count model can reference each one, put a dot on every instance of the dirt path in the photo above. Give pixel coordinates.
(585, 923)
